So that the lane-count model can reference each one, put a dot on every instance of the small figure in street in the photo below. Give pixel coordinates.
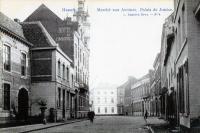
(91, 115)
(145, 116)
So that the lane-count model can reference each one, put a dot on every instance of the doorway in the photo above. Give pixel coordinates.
(63, 111)
(23, 104)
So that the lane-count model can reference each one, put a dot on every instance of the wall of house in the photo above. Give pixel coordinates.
(1, 71)
(81, 59)
(103, 99)
(41, 62)
(193, 40)
(62, 78)
(14, 77)
(63, 81)
(140, 91)
(42, 90)
(120, 100)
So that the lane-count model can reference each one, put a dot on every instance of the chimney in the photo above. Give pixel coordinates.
(17, 20)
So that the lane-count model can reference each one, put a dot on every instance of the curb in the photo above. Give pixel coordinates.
(45, 127)
(150, 129)
(65, 123)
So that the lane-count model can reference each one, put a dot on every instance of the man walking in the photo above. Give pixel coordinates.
(145, 116)
(91, 115)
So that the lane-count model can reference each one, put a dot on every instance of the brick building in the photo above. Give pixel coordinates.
(81, 58)
(169, 101)
(128, 95)
(180, 64)
(140, 92)
(124, 97)
(155, 84)
(15, 71)
(51, 75)
(73, 39)
(187, 61)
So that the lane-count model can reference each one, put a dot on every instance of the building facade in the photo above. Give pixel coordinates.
(124, 97)
(105, 100)
(187, 61)
(155, 83)
(73, 39)
(15, 80)
(120, 100)
(81, 58)
(128, 108)
(51, 78)
(180, 63)
(140, 92)
(58, 53)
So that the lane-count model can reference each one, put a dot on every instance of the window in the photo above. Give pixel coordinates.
(23, 64)
(112, 110)
(105, 110)
(112, 100)
(182, 79)
(59, 97)
(72, 79)
(6, 59)
(59, 71)
(80, 55)
(121, 100)
(67, 74)
(67, 99)
(83, 59)
(179, 33)
(63, 72)
(105, 100)
(99, 110)
(76, 76)
(112, 92)
(183, 24)
(6, 97)
(98, 100)
(83, 78)
(76, 55)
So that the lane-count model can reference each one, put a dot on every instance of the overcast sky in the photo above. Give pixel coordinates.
(122, 43)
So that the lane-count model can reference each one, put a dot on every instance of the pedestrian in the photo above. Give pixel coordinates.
(145, 116)
(91, 115)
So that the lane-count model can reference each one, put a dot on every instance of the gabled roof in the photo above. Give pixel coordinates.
(12, 28)
(37, 34)
(43, 12)
(11, 25)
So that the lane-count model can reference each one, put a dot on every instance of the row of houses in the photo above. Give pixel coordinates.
(172, 87)
(133, 96)
(44, 61)
(179, 64)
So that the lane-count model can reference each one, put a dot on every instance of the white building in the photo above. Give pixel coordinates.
(104, 100)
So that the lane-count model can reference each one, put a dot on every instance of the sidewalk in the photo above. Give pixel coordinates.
(36, 127)
(157, 125)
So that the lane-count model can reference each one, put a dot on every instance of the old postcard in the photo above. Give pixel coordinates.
(99, 66)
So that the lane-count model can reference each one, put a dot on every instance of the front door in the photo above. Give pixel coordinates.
(63, 104)
(23, 104)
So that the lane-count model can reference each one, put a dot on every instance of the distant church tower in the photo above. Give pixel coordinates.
(81, 16)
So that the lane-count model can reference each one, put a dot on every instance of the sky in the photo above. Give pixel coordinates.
(125, 34)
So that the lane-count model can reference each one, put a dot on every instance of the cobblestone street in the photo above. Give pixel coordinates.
(103, 124)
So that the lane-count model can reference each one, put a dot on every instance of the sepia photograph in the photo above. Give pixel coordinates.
(100, 66)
